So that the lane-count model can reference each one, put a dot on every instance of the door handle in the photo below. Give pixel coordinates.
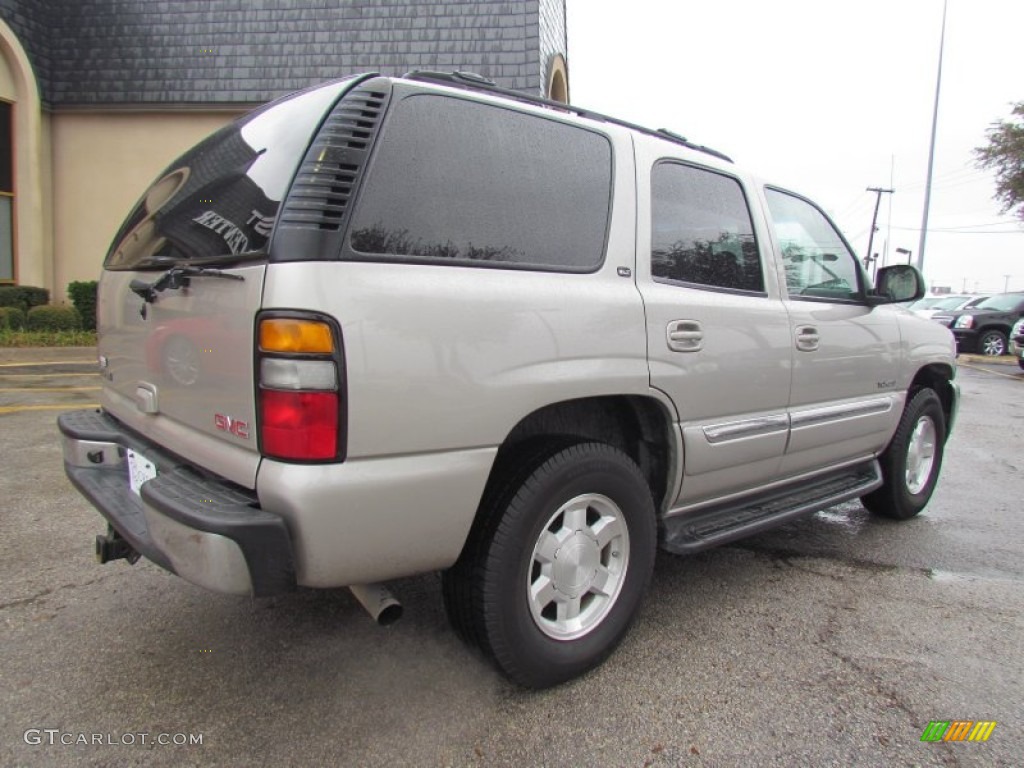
(685, 336)
(807, 338)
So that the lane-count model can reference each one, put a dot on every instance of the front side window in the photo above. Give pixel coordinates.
(701, 230)
(460, 182)
(816, 260)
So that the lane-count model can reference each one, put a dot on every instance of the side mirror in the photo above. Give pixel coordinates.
(896, 283)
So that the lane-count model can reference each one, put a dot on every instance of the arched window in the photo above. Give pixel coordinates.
(6, 194)
(558, 79)
(22, 257)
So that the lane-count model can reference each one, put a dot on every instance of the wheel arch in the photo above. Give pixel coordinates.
(639, 426)
(999, 326)
(939, 378)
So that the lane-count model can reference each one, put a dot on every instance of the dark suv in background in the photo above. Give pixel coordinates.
(985, 328)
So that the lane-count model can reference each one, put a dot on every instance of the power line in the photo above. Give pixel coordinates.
(955, 231)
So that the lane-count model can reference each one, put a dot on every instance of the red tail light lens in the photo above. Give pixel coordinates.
(299, 425)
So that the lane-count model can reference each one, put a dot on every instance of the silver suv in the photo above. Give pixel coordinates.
(388, 326)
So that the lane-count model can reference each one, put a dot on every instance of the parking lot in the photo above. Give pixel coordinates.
(834, 640)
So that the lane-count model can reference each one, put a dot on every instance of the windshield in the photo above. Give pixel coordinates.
(925, 303)
(219, 201)
(1004, 302)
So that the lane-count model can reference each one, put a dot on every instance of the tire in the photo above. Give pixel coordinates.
(181, 361)
(553, 575)
(992, 343)
(911, 463)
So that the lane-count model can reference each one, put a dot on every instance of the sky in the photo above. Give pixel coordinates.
(828, 98)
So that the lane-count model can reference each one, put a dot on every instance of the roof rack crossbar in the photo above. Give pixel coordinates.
(473, 81)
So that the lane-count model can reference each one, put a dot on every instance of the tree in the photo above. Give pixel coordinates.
(1004, 154)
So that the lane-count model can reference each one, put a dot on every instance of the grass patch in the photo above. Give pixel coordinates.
(13, 338)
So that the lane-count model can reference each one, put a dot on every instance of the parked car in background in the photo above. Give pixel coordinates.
(1017, 342)
(925, 303)
(947, 304)
(985, 329)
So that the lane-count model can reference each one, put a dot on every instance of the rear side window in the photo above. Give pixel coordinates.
(460, 182)
(702, 233)
(219, 201)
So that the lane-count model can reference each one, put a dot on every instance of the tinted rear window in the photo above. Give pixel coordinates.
(702, 233)
(220, 199)
(457, 181)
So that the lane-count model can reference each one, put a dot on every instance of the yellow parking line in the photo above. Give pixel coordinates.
(1015, 376)
(50, 389)
(43, 375)
(69, 406)
(51, 362)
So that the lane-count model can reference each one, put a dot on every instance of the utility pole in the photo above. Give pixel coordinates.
(1006, 283)
(874, 221)
(931, 149)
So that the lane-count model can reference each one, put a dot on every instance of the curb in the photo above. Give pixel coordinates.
(12, 355)
(1001, 360)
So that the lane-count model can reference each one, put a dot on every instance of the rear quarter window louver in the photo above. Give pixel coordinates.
(315, 211)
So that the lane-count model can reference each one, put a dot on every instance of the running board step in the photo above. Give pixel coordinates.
(690, 532)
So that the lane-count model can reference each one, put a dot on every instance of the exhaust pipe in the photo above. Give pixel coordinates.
(378, 602)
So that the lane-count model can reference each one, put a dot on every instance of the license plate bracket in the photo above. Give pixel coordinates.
(140, 469)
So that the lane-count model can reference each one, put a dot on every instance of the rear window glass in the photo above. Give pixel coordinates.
(220, 199)
(459, 182)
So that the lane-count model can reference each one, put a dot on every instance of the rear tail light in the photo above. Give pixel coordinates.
(291, 334)
(300, 388)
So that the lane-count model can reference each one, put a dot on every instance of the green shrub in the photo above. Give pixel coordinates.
(9, 338)
(12, 318)
(23, 296)
(53, 319)
(83, 296)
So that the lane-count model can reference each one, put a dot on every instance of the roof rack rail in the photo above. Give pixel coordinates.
(474, 81)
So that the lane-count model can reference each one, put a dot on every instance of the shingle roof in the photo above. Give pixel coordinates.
(248, 51)
(32, 22)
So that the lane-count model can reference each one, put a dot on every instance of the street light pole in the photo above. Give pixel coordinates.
(931, 150)
(874, 222)
(904, 252)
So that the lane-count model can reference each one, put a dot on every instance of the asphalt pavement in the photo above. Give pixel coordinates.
(834, 640)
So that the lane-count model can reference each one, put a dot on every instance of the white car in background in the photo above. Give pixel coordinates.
(942, 305)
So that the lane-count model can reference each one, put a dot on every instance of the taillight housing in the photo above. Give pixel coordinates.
(300, 387)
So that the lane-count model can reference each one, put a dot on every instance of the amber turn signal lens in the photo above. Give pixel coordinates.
(282, 334)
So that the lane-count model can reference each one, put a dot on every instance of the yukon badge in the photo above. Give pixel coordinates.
(236, 427)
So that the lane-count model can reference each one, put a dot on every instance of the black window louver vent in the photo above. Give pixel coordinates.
(322, 191)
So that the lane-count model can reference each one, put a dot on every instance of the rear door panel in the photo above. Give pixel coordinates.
(722, 355)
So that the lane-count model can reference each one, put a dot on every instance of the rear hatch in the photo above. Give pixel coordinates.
(183, 281)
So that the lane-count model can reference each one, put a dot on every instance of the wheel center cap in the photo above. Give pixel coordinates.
(575, 565)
